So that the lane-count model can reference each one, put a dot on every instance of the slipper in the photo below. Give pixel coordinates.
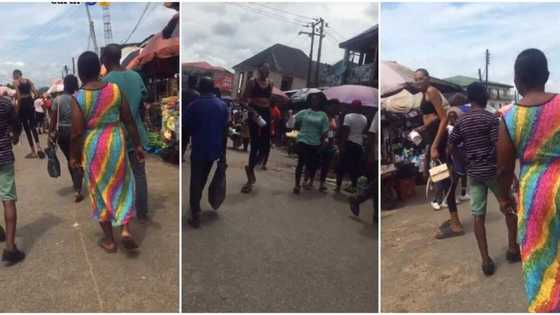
(41, 154)
(489, 268)
(13, 257)
(513, 257)
(108, 250)
(247, 188)
(128, 243)
(445, 231)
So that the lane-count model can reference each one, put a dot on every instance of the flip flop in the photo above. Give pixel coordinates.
(297, 190)
(41, 154)
(105, 248)
(128, 243)
(489, 268)
(513, 257)
(31, 156)
(445, 231)
(247, 188)
(13, 257)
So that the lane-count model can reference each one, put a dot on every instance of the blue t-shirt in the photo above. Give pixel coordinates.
(206, 120)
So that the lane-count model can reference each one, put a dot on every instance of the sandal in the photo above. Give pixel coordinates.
(128, 243)
(41, 154)
(31, 156)
(108, 250)
(488, 268)
(513, 257)
(445, 231)
(78, 198)
(13, 257)
(297, 189)
(247, 188)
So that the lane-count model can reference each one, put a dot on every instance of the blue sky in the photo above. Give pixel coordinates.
(40, 38)
(226, 34)
(450, 39)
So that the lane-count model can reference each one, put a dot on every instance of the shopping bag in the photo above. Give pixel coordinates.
(217, 189)
(53, 164)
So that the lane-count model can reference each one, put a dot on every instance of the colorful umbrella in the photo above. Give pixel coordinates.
(349, 93)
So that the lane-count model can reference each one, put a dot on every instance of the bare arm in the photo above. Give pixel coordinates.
(76, 135)
(435, 97)
(506, 166)
(126, 118)
(33, 89)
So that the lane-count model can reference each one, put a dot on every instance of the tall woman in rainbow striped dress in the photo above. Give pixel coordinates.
(530, 132)
(99, 119)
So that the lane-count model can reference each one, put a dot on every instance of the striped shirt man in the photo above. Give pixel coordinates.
(478, 131)
(9, 126)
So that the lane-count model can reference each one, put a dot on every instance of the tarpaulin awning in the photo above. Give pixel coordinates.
(395, 76)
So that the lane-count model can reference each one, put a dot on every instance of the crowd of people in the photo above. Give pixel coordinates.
(98, 127)
(487, 147)
(324, 132)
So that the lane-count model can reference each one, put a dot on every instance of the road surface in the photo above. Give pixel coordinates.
(273, 251)
(65, 270)
(422, 274)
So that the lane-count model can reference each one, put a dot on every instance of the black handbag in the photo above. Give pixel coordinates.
(217, 189)
(53, 164)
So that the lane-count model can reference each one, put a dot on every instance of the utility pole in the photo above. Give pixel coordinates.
(487, 57)
(108, 33)
(321, 35)
(312, 35)
(92, 30)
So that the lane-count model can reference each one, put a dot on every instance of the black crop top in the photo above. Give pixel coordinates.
(426, 107)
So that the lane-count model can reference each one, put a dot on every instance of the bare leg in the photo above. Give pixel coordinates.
(108, 242)
(511, 222)
(10, 216)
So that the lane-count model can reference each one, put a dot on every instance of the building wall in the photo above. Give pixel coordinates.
(275, 77)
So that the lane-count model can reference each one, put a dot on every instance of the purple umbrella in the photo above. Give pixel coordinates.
(350, 93)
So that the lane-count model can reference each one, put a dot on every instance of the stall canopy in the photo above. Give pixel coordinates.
(402, 102)
(395, 76)
(223, 78)
(349, 93)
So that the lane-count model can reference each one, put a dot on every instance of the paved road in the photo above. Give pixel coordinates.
(273, 251)
(422, 274)
(65, 271)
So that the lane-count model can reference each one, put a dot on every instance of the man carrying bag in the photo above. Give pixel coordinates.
(206, 120)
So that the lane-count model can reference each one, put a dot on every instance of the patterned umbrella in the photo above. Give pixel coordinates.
(349, 93)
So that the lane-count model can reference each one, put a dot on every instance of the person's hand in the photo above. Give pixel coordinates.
(74, 163)
(420, 129)
(140, 156)
(507, 206)
(434, 154)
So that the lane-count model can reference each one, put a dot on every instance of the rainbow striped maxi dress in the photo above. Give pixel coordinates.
(106, 166)
(535, 133)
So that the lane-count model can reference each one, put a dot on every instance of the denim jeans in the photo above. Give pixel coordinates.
(139, 170)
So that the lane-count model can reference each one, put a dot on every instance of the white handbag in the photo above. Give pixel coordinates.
(439, 171)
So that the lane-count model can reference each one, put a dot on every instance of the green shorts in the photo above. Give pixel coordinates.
(7, 182)
(479, 194)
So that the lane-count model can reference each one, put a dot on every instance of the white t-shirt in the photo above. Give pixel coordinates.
(357, 124)
(39, 105)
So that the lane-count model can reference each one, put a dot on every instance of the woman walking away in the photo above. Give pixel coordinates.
(257, 94)
(351, 148)
(529, 131)
(313, 125)
(327, 152)
(99, 145)
(60, 129)
(25, 92)
(434, 132)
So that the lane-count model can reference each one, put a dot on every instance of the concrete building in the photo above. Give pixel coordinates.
(499, 94)
(288, 69)
(361, 58)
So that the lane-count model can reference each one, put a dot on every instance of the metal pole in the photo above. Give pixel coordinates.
(92, 30)
(318, 66)
(73, 66)
(487, 63)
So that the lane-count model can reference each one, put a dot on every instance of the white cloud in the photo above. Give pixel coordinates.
(254, 27)
(450, 39)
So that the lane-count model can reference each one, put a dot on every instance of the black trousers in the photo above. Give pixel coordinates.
(350, 163)
(27, 118)
(199, 176)
(260, 138)
(64, 139)
(308, 156)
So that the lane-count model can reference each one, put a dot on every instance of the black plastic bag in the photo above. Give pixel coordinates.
(53, 164)
(217, 189)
